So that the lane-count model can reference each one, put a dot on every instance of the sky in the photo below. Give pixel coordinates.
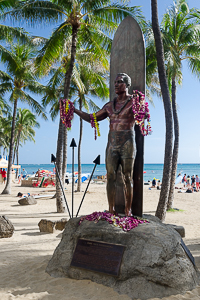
(188, 101)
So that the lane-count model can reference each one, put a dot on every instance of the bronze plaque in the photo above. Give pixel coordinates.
(98, 256)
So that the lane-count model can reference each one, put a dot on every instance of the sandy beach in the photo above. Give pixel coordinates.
(25, 255)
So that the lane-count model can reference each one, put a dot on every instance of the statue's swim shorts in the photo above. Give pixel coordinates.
(121, 145)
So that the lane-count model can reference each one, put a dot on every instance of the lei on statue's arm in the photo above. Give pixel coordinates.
(141, 112)
(66, 112)
(95, 125)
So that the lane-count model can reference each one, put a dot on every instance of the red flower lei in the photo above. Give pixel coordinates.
(66, 112)
(141, 112)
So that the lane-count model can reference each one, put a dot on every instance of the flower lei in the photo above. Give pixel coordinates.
(141, 111)
(66, 112)
(95, 125)
(125, 223)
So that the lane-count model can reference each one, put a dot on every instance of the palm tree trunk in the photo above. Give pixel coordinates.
(59, 196)
(17, 154)
(79, 149)
(162, 205)
(15, 148)
(7, 189)
(68, 76)
(14, 154)
(69, 72)
(64, 164)
(176, 146)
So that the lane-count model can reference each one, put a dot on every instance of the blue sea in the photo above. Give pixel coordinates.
(152, 170)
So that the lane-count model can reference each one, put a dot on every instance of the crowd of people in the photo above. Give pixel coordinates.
(191, 183)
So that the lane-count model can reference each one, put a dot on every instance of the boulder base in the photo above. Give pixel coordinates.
(6, 227)
(154, 263)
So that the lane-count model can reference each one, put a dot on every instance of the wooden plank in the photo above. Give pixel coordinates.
(128, 56)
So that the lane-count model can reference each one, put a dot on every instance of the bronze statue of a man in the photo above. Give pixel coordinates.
(121, 140)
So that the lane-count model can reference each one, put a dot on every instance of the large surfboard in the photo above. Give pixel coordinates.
(128, 56)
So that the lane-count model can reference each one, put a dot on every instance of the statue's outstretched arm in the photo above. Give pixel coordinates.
(85, 116)
(100, 115)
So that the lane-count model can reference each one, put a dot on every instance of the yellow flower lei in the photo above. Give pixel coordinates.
(67, 106)
(96, 124)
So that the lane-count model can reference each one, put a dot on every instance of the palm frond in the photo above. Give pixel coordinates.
(30, 11)
(54, 49)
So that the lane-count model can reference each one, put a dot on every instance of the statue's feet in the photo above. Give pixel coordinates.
(128, 213)
(112, 211)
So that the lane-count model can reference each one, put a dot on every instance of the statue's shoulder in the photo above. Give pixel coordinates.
(108, 105)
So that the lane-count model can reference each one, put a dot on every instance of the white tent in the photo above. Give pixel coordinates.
(4, 164)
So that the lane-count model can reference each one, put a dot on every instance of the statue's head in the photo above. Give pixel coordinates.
(126, 79)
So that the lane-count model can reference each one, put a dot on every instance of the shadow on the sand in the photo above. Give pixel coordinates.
(27, 278)
(35, 215)
(36, 233)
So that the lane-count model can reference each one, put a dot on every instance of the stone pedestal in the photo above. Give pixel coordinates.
(154, 263)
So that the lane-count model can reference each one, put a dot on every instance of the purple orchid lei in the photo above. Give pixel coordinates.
(66, 112)
(126, 223)
(141, 111)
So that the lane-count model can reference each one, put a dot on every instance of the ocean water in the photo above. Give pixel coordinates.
(152, 170)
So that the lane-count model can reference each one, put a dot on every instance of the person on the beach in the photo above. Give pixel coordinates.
(153, 183)
(159, 185)
(197, 183)
(193, 181)
(184, 180)
(3, 174)
(188, 181)
(121, 148)
(24, 173)
(37, 174)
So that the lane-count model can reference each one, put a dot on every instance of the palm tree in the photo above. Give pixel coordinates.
(25, 122)
(89, 80)
(162, 205)
(85, 23)
(53, 92)
(17, 82)
(181, 42)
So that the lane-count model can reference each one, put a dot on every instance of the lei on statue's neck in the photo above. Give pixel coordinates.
(141, 112)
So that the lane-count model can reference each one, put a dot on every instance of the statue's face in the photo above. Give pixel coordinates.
(120, 85)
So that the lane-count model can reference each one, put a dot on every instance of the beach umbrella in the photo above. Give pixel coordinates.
(84, 178)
